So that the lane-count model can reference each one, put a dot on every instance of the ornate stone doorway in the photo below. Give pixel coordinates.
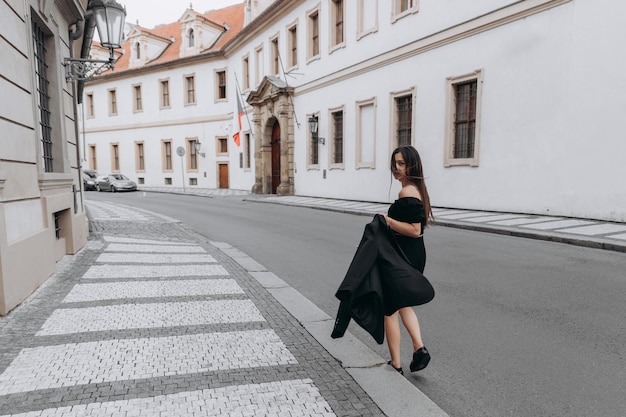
(273, 124)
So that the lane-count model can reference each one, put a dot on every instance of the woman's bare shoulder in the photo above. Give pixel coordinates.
(409, 191)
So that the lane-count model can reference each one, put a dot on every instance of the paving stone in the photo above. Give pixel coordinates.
(153, 271)
(153, 258)
(149, 289)
(256, 365)
(142, 316)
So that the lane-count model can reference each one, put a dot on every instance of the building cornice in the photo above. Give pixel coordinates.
(514, 12)
(159, 124)
(51, 180)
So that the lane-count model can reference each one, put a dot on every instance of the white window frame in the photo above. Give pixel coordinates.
(331, 138)
(396, 14)
(334, 45)
(309, 32)
(137, 93)
(360, 132)
(292, 28)
(393, 115)
(186, 78)
(89, 104)
(169, 94)
(309, 141)
(449, 159)
(245, 70)
(362, 30)
(112, 93)
(216, 82)
(258, 65)
(275, 55)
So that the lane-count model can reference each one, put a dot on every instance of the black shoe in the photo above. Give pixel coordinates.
(400, 371)
(421, 357)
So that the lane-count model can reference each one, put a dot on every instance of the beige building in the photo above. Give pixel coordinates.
(42, 215)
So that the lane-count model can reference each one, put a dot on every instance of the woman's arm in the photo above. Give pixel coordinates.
(407, 229)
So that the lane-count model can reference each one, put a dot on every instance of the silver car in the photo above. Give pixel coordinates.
(115, 182)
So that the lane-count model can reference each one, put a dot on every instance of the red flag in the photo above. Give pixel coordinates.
(238, 116)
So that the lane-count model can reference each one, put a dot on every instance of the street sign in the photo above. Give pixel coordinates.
(180, 151)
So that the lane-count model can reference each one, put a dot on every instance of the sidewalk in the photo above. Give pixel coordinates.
(582, 232)
(152, 319)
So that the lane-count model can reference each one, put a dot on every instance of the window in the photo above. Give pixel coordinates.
(259, 65)
(165, 93)
(112, 102)
(192, 159)
(314, 148)
(89, 105)
(246, 151)
(93, 160)
(168, 181)
(222, 146)
(167, 155)
(337, 23)
(137, 105)
(403, 119)
(275, 56)
(367, 17)
(40, 42)
(137, 51)
(463, 119)
(336, 144)
(220, 85)
(402, 8)
(366, 133)
(190, 89)
(191, 39)
(314, 35)
(115, 157)
(292, 46)
(246, 73)
(193, 181)
(57, 225)
(140, 160)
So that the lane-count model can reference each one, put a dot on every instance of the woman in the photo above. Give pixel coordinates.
(407, 218)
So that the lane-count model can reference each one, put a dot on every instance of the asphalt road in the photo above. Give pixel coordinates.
(518, 327)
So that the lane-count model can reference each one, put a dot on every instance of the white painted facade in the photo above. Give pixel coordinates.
(548, 112)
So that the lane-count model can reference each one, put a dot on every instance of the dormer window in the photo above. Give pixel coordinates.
(190, 38)
(137, 51)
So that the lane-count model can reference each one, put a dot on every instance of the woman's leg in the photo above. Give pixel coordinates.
(392, 333)
(409, 319)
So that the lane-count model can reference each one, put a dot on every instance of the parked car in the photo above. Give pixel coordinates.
(89, 179)
(115, 182)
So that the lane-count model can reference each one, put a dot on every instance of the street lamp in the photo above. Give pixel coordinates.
(313, 126)
(109, 16)
(197, 145)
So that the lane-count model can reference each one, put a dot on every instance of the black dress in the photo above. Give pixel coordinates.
(410, 210)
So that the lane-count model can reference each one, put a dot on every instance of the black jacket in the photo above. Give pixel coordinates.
(379, 281)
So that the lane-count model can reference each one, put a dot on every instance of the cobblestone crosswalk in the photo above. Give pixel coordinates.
(148, 310)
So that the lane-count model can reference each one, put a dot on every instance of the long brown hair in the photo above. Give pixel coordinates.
(415, 174)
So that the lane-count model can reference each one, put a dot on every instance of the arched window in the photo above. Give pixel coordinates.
(191, 38)
(138, 50)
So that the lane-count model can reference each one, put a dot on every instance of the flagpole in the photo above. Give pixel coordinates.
(244, 106)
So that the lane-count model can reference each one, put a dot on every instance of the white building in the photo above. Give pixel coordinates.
(513, 105)
(42, 215)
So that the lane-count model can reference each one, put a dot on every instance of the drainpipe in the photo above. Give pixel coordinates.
(75, 35)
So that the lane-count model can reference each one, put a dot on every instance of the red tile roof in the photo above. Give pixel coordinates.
(231, 18)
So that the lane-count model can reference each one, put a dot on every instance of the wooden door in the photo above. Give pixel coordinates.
(223, 175)
(275, 142)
